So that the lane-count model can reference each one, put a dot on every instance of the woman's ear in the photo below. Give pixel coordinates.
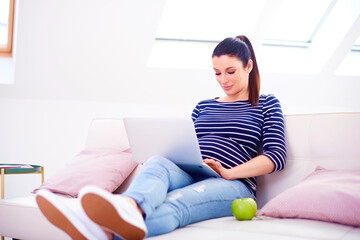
(249, 66)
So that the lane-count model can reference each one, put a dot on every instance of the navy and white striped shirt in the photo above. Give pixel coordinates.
(233, 132)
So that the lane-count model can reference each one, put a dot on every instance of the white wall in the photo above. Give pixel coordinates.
(80, 59)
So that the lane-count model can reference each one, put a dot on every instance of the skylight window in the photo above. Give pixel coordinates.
(297, 30)
(208, 20)
(213, 20)
(295, 22)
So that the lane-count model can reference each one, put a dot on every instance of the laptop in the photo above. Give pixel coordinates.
(171, 138)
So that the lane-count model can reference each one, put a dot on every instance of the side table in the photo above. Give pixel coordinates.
(18, 169)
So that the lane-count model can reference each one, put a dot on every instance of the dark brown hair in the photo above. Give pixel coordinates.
(241, 48)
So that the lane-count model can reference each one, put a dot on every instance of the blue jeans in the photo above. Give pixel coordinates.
(171, 198)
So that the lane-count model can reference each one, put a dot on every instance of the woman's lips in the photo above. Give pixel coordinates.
(227, 88)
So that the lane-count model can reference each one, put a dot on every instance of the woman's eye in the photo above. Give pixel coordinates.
(217, 74)
(232, 72)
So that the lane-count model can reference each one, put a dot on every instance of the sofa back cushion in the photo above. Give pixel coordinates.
(107, 133)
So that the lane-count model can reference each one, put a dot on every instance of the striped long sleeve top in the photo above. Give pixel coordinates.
(235, 132)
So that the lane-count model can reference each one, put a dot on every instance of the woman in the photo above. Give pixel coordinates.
(231, 130)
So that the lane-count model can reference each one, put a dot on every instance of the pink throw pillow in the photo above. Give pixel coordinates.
(325, 195)
(104, 168)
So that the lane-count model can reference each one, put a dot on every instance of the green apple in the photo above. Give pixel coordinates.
(244, 208)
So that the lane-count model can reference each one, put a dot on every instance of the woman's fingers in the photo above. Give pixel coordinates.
(215, 165)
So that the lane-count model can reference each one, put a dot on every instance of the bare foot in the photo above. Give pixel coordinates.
(134, 203)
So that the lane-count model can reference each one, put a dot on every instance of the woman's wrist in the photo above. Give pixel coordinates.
(228, 174)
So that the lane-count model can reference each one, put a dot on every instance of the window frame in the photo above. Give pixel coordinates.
(6, 50)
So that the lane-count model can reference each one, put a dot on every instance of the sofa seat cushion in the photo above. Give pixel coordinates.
(263, 228)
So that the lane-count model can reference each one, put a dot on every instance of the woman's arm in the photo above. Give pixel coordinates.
(257, 166)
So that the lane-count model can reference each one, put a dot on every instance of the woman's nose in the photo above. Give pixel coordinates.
(223, 79)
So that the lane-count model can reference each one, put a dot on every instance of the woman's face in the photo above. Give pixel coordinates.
(232, 76)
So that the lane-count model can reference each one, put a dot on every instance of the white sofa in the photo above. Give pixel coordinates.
(329, 140)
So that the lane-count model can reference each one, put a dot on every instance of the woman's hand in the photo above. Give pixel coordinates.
(217, 167)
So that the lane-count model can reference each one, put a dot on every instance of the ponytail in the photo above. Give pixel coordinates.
(241, 48)
(254, 76)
